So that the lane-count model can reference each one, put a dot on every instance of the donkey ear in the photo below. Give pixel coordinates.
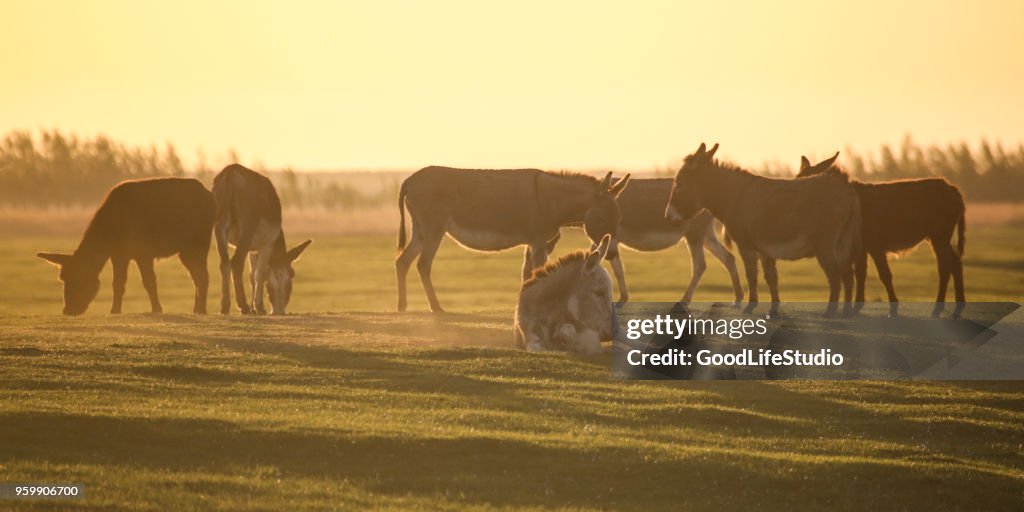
(804, 162)
(57, 259)
(295, 252)
(711, 154)
(825, 164)
(619, 186)
(605, 182)
(594, 258)
(702, 149)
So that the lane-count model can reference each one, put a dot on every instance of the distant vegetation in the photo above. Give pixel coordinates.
(52, 169)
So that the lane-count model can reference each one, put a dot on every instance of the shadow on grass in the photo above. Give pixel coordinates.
(483, 470)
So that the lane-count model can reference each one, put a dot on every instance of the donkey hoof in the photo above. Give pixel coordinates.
(750, 308)
(260, 310)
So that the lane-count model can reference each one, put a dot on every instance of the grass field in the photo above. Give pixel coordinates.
(347, 404)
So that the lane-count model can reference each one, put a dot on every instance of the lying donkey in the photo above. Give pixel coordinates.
(249, 218)
(140, 220)
(567, 304)
(493, 210)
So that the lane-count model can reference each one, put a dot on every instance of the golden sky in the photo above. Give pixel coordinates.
(584, 85)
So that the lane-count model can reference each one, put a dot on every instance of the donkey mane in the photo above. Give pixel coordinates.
(835, 170)
(550, 268)
(725, 165)
(574, 174)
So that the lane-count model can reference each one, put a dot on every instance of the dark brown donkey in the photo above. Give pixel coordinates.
(249, 218)
(140, 220)
(774, 219)
(493, 210)
(898, 215)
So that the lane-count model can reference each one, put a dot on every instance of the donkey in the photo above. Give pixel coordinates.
(493, 210)
(643, 227)
(774, 219)
(249, 218)
(567, 304)
(898, 215)
(140, 220)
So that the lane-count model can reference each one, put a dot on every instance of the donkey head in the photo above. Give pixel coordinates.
(280, 276)
(684, 202)
(590, 301)
(603, 216)
(81, 280)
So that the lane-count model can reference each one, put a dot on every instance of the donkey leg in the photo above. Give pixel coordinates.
(237, 269)
(195, 263)
(423, 266)
(749, 257)
(885, 276)
(832, 272)
(943, 254)
(860, 274)
(958, 283)
(259, 265)
(549, 247)
(221, 235)
(527, 263)
(620, 278)
(724, 255)
(847, 278)
(538, 254)
(120, 267)
(771, 276)
(402, 264)
(149, 282)
(697, 267)
(242, 249)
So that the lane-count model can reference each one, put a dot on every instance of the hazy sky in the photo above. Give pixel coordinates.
(587, 85)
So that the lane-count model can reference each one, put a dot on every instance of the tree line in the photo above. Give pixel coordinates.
(55, 169)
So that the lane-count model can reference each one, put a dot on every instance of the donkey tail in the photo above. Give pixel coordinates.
(961, 227)
(401, 216)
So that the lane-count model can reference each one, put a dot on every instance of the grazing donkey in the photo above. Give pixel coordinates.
(249, 218)
(493, 210)
(774, 219)
(898, 215)
(643, 227)
(140, 220)
(567, 304)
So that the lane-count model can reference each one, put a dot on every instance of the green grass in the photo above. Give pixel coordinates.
(345, 404)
